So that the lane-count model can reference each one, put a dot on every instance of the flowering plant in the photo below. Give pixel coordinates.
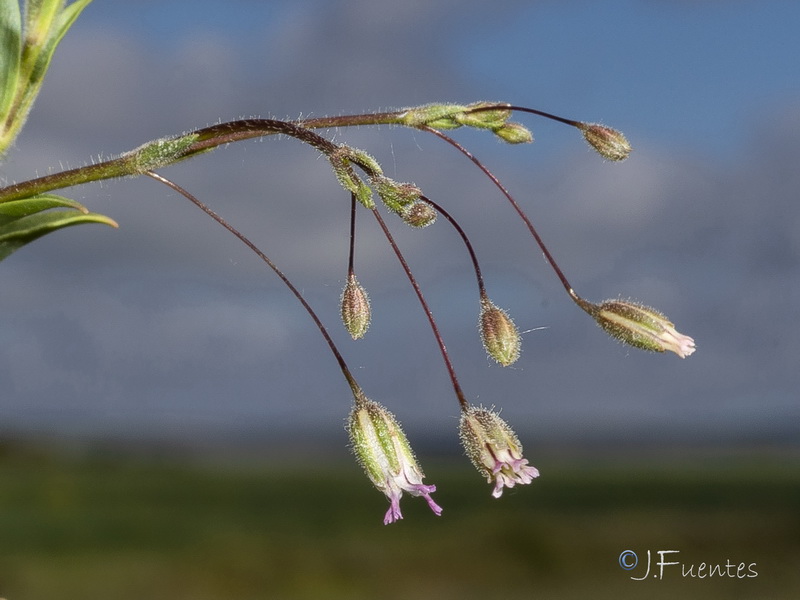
(30, 210)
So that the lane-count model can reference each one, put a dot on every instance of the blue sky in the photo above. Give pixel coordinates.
(167, 328)
(685, 72)
(711, 62)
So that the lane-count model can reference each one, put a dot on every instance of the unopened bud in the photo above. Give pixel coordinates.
(356, 312)
(640, 326)
(438, 116)
(405, 199)
(383, 450)
(419, 214)
(490, 118)
(608, 142)
(350, 181)
(498, 333)
(494, 449)
(396, 196)
(361, 158)
(514, 133)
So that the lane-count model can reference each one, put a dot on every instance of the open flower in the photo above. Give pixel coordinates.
(494, 449)
(640, 326)
(383, 450)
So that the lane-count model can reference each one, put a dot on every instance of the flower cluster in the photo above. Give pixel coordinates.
(488, 440)
(377, 439)
(384, 452)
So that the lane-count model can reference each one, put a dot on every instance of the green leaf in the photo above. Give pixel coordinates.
(23, 221)
(67, 18)
(39, 15)
(62, 23)
(46, 23)
(10, 55)
(10, 211)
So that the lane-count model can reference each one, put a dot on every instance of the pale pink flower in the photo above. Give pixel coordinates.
(494, 449)
(640, 326)
(383, 450)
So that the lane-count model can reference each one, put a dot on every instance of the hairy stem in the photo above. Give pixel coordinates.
(467, 243)
(549, 257)
(462, 400)
(351, 255)
(355, 388)
(144, 158)
(208, 138)
(532, 111)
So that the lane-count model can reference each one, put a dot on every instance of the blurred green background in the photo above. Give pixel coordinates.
(111, 523)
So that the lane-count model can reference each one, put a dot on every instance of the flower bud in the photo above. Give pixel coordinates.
(356, 312)
(438, 116)
(640, 326)
(350, 181)
(609, 143)
(494, 449)
(383, 451)
(498, 333)
(361, 158)
(419, 214)
(483, 119)
(405, 199)
(396, 196)
(514, 133)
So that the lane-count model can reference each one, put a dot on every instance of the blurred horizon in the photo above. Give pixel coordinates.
(155, 527)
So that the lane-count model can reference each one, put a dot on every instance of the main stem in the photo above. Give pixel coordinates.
(211, 137)
(208, 138)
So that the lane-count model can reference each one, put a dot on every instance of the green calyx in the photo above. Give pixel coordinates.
(342, 160)
(378, 441)
(499, 335)
(484, 115)
(438, 116)
(396, 196)
(355, 308)
(491, 116)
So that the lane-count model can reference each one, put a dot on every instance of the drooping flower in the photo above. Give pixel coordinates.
(383, 450)
(494, 449)
(640, 326)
